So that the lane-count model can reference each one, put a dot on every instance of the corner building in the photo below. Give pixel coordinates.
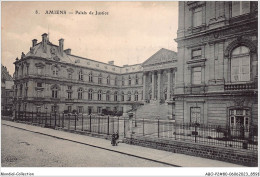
(51, 79)
(217, 76)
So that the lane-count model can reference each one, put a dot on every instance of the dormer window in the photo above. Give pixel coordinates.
(240, 8)
(197, 17)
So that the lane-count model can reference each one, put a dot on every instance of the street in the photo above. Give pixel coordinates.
(26, 149)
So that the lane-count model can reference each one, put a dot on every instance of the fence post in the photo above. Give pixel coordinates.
(90, 123)
(55, 119)
(98, 124)
(75, 122)
(82, 123)
(63, 120)
(108, 125)
(59, 119)
(69, 122)
(143, 126)
(25, 116)
(45, 119)
(113, 125)
(32, 116)
(124, 128)
(158, 128)
(50, 119)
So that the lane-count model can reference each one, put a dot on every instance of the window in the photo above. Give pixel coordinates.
(129, 96)
(80, 109)
(122, 96)
(69, 75)
(240, 64)
(165, 94)
(108, 96)
(100, 79)
(136, 80)
(39, 70)
(54, 108)
(22, 69)
(90, 77)
(25, 106)
(38, 109)
(196, 75)
(90, 94)
(196, 53)
(136, 96)
(197, 17)
(129, 80)
(69, 95)
(99, 110)
(115, 80)
(69, 108)
(239, 118)
(69, 87)
(195, 115)
(55, 92)
(27, 69)
(115, 96)
(99, 95)
(55, 71)
(39, 84)
(26, 89)
(80, 75)
(108, 80)
(123, 82)
(80, 94)
(240, 8)
(21, 90)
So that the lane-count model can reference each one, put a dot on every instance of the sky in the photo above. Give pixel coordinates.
(129, 34)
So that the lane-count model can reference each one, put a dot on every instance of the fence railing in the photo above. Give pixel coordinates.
(239, 137)
(105, 125)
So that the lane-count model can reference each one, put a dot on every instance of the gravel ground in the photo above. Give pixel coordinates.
(26, 149)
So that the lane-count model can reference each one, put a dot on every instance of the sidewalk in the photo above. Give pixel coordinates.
(137, 151)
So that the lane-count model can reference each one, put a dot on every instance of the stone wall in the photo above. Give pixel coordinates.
(237, 156)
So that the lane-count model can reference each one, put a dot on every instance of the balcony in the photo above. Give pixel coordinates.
(241, 86)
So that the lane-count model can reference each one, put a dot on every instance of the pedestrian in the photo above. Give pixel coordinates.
(116, 138)
(113, 139)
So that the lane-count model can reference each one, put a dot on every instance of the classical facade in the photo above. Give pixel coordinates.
(51, 79)
(217, 76)
(7, 84)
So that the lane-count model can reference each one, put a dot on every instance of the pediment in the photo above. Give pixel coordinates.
(160, 57)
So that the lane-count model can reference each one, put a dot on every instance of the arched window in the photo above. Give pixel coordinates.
(80, 94)
(90, 77)
(55, 92)
(122, 96)
(240, 64)
(108, 96)
(136, 96)
(100, 78)
(90, 94)
(108, 79)
(80, 75)
(129, 80)
(99, 95)
(115, 96)
(129, 96)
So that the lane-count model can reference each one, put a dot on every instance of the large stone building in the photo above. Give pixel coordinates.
(49, 78)
(217, 76)
(7, 84)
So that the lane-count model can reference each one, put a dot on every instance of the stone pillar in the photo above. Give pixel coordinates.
(159, 85)
(153, 83)
(169, 85)
(144, 88)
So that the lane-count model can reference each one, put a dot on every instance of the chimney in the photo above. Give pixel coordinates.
(34, 42)
(111, 62)
(61, 42)
(44, 42)
(67, 51)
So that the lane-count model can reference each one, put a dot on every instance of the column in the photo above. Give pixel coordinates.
(144, 82)
(159, 85)
(153, 85)
(169, 85)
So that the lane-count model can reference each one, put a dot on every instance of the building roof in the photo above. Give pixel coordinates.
(5, 76)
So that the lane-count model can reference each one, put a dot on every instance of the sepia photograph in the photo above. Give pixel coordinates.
(151, 84)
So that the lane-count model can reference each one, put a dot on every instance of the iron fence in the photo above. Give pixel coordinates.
(105, 125)
(239, 137)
